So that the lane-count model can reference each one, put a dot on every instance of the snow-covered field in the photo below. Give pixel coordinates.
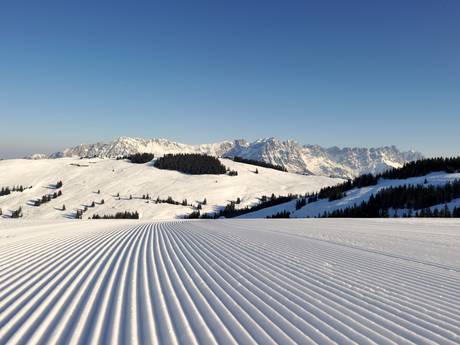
(110, 177)
(230, 282)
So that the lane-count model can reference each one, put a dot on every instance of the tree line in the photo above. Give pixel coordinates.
(118, 215)
(281, 214)
(191, 163)
(171, 201)
(231, 211)
(423, 167)
(418, 168)
(47, 198)
(139, 158)
(418, 200)
(259, 163)
(8, 190)
(15, 213)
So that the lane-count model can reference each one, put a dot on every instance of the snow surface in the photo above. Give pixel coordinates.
(230, 282)
(355, 197)
(110, 176)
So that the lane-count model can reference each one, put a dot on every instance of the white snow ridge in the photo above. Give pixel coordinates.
(227, 282)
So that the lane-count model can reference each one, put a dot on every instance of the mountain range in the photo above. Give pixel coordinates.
(303, 159)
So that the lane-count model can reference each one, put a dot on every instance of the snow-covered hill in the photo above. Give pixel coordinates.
(82, 178)
(303, 159)
(356, 196)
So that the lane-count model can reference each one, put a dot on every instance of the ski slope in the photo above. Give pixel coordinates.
(230, 282)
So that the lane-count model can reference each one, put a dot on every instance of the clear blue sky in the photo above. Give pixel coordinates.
(346, 73)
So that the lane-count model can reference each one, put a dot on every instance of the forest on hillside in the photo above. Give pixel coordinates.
(259, 163)
(412, 169)
(414, 201)
(191, 163)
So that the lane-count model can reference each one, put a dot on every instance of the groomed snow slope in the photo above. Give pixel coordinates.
(80, 184)
(228, 282)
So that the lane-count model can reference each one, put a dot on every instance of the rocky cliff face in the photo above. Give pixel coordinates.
(304, 159)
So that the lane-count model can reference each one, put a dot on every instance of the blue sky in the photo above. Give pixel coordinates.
(345, 73)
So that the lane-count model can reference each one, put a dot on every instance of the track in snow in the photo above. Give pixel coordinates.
(206, 282)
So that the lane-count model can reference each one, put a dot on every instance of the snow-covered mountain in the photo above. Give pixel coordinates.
(304, 159)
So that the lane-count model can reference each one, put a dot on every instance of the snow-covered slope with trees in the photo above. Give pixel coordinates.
(356, 196)
(304, 159)
(84, 178)
(230, 282)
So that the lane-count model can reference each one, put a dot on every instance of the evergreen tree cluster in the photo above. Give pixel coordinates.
(410, 197)
(80, 212)
(17, 213)
(118, 215)
(171, 201)
(139, 158)
(5, 191)
(231, 211)
(438, 213)
(58, 185)
(8, 190)
(281, 214)
(259, 163)
(193, 215)
(411, 169)
(306, 199)
(158, 200)
(47, 198)
(423, 167)
(300, 203)
(338, 191)
(194, 164)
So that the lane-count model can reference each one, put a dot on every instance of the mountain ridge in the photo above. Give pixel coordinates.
(346, 162)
